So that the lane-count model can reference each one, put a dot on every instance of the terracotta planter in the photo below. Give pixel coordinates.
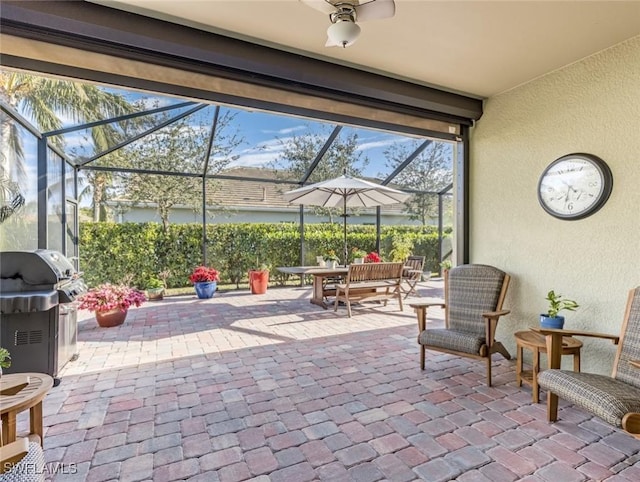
(107, 319)
(258, 281)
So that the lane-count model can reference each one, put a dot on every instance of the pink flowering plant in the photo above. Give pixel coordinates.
(204, 274)
(107, 297)
(372, 257)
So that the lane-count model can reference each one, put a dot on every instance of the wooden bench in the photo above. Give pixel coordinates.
(370, 282)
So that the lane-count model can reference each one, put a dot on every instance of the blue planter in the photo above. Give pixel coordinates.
(205, 289)
(556, 323)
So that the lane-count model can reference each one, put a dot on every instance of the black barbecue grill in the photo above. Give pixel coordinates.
(38, 322)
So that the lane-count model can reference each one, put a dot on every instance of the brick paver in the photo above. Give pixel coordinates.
(270, 387)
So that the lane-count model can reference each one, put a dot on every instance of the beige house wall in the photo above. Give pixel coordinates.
(591, 106)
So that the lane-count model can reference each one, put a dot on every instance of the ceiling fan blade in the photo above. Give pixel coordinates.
(323, 6)
(375, 9)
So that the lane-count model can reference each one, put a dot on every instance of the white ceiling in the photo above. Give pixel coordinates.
(479, 48)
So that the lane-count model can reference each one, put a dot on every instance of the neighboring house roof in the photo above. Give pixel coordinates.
(231, 192)
(264, 194)
(258, 194)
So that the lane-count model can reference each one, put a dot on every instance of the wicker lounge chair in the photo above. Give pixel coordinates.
(615, 399)
(474, 294)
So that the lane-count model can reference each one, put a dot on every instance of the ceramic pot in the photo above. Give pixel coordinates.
(555, 323)
(258, 281)
(332, 264)
(205, 289)
(107, 319)
(155, 294)
(358, 260)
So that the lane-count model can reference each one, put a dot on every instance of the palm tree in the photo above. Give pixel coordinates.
(44, 100)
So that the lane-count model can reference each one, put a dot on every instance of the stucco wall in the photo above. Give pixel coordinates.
(591, 106)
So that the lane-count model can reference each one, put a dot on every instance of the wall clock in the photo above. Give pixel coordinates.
(575, 186)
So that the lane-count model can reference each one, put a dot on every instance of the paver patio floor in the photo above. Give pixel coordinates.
(270, 387)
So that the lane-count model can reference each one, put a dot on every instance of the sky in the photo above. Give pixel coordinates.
(263, 134)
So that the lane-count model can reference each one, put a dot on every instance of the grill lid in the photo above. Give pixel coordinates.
(39, 267)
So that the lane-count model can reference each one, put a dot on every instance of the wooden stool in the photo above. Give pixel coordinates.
(537, 343)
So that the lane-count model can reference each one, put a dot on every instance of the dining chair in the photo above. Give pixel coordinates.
(412, 274)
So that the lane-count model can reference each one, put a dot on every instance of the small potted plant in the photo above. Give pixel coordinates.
(5, 359)
(372, 257)
(358, 255)
(110, 302)
(551, 319)
(331, 259)
(154, 288)
(205, 281)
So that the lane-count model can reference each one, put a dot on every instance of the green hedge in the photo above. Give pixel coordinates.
(133, 252)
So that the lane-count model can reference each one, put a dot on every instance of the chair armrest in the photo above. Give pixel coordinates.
(426, 304)
(634, 363)
(420, 308)
(495, 314)
(491, 319)
(13, 453)
(631, 424)
(554, 341)
(548, 331)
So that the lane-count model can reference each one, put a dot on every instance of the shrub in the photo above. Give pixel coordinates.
(114, 253)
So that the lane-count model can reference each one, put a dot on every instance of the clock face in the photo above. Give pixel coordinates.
(575, 186)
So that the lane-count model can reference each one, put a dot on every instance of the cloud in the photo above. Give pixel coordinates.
(260, 155)
(274, 144)
(286, 130)
(255, 159)
(388, 141)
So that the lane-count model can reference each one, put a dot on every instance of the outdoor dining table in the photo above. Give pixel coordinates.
(320, 275)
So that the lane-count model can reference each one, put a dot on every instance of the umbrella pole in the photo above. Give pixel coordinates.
(344, 218)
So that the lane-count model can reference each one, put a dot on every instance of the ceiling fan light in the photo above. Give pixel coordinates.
(343, 33)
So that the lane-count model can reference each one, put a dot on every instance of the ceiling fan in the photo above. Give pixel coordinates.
(344, 30)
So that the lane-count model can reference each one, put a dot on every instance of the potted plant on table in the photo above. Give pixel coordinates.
(551, 319)
(110, 302)
(358, 255)
(205, 281)
(372, 257)
(331, 259)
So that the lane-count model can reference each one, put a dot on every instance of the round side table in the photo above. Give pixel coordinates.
(35, 387)
(537, 344)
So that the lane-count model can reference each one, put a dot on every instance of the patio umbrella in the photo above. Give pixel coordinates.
(346, 191)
